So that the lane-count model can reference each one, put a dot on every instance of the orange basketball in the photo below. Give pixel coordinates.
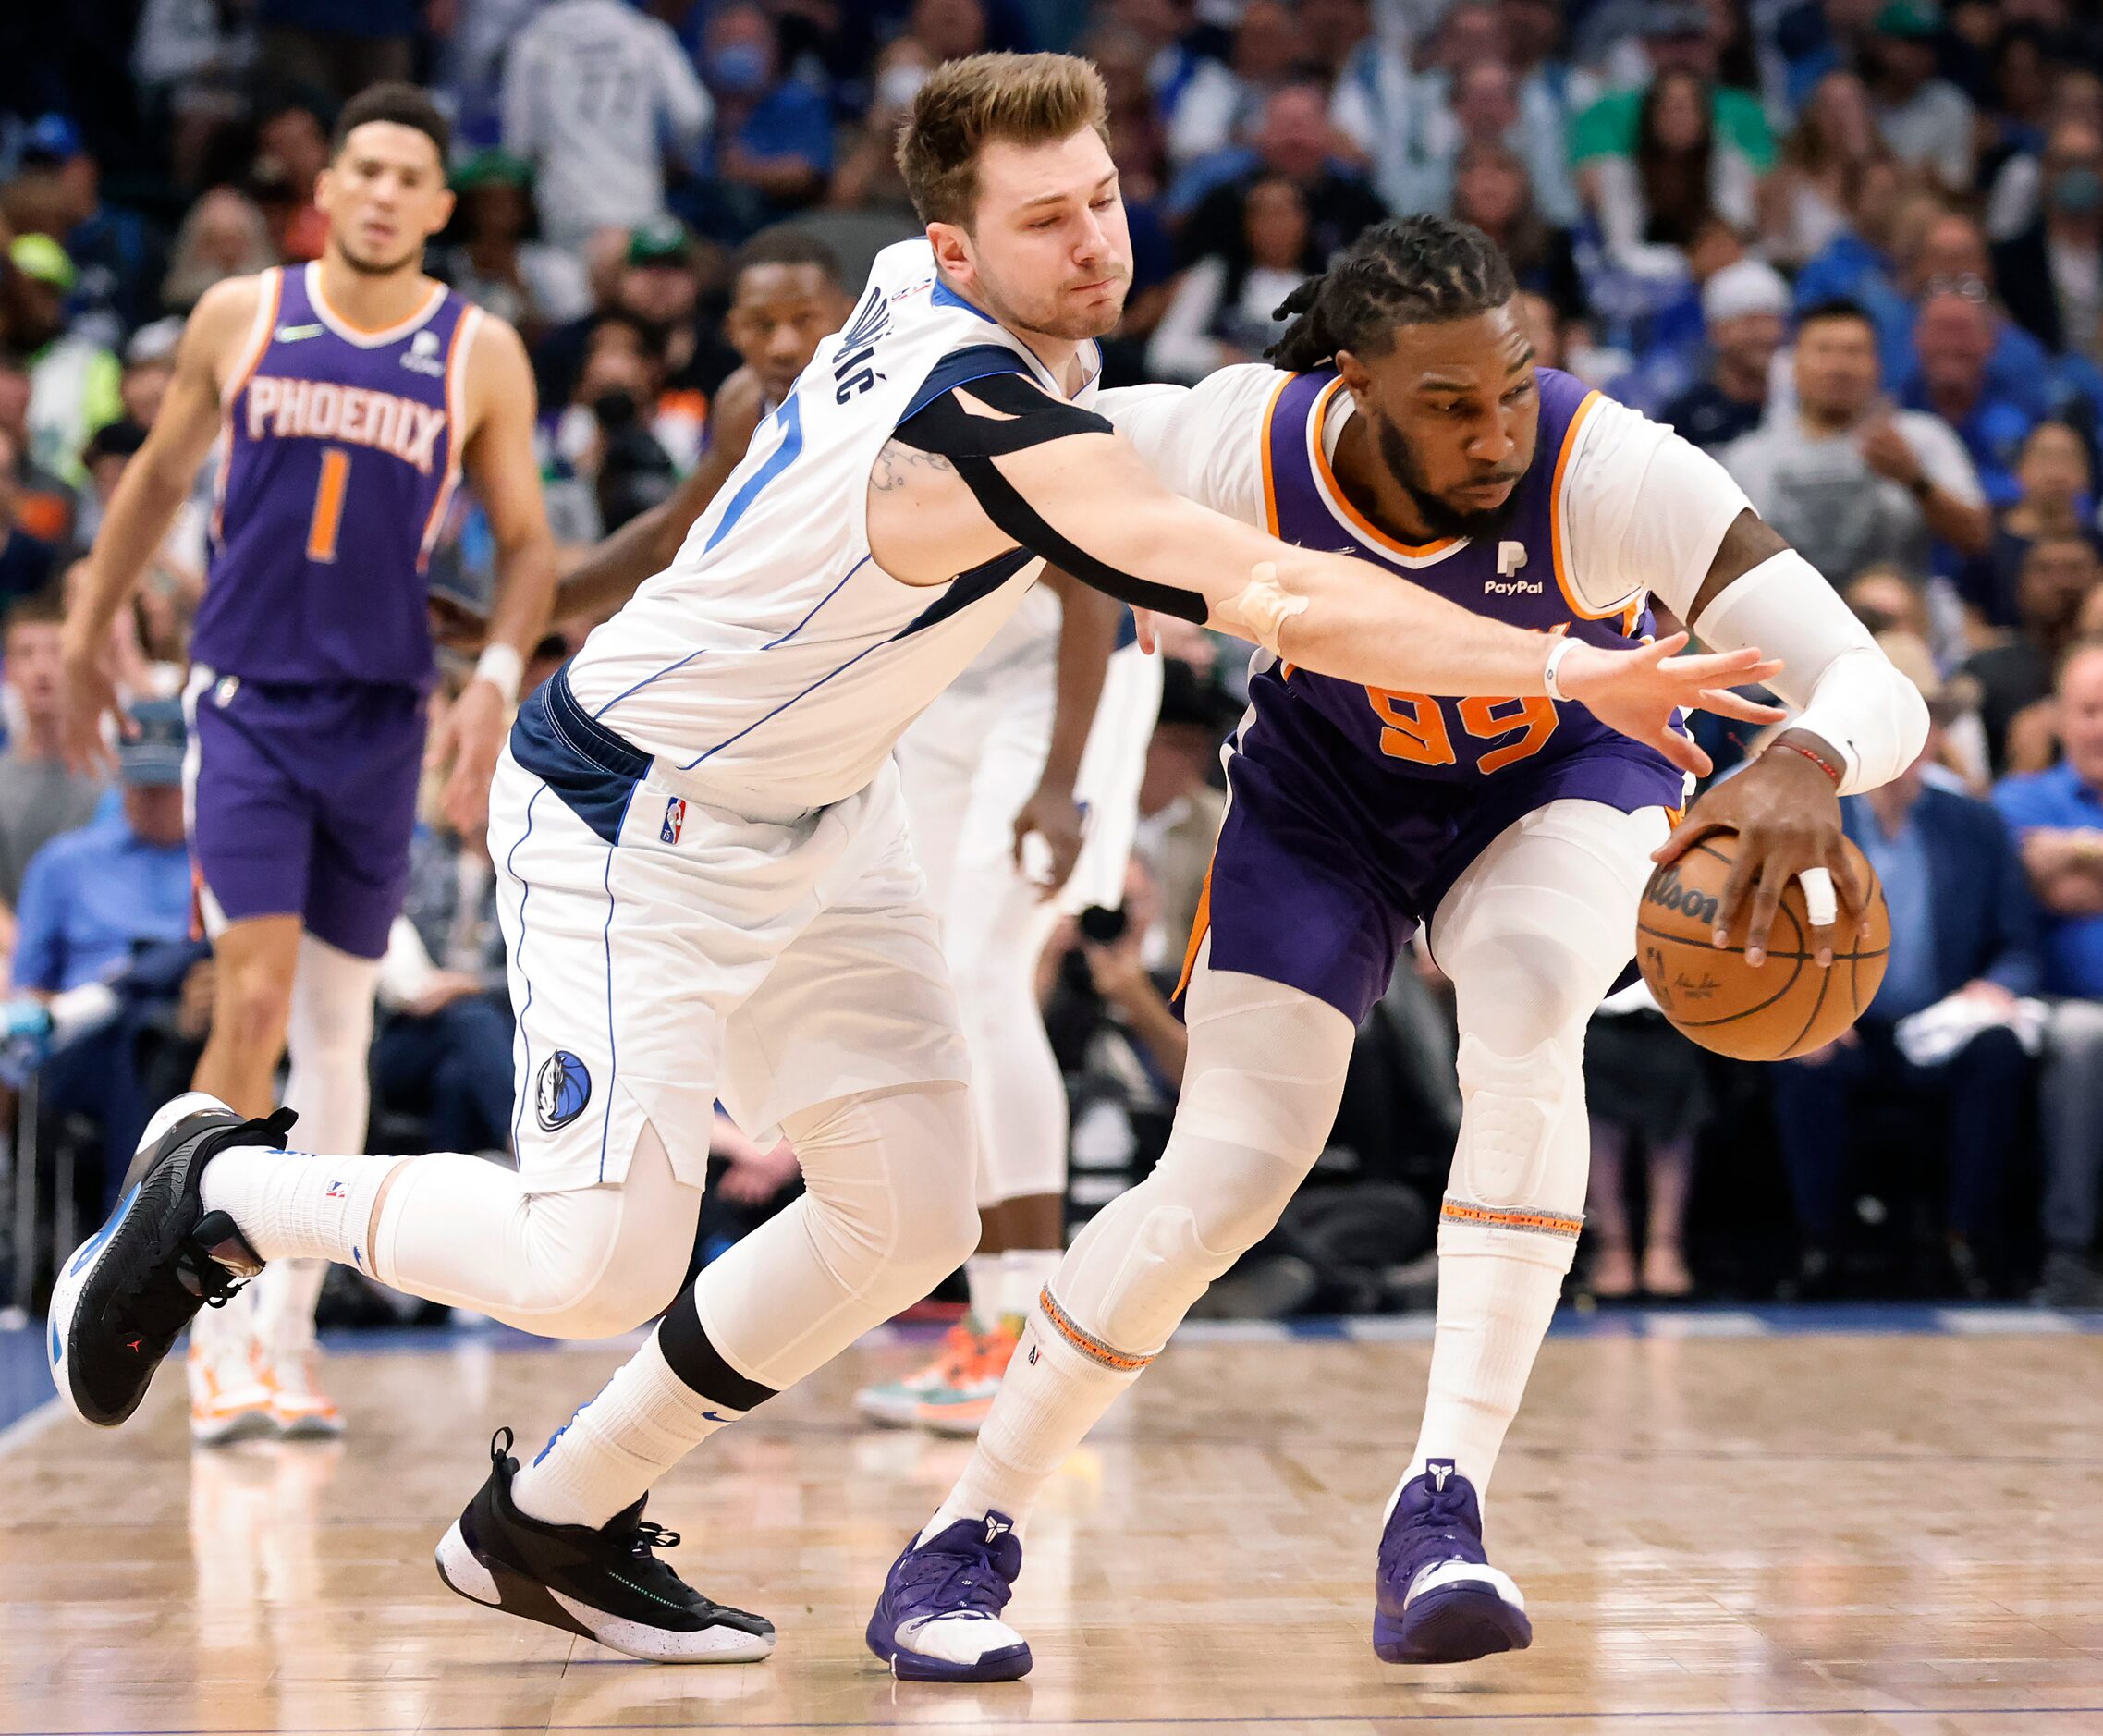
(1787, 1006)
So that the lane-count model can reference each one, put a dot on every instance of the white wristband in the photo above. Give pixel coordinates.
(503, 668)
(1563, 646)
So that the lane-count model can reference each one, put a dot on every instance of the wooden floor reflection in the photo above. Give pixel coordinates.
(1810, 1533)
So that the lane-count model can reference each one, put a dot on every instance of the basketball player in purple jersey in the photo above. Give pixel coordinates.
(350, 397)
(1413, 432)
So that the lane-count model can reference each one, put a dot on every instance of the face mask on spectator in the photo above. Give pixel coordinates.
(739, 68)
(2077, 190)
(899, 84)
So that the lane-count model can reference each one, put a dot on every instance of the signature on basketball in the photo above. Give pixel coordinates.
(1683, 985)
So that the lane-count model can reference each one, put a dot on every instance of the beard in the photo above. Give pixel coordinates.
(1441, 516)
(1051, 314)
(410, 258)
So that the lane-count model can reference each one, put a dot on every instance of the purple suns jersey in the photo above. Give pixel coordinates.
(1516, 576)
(341, 453)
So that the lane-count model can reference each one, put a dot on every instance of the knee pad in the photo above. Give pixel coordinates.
(1521, 1151)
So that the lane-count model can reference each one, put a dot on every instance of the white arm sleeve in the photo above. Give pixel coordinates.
(1205, 442)
(1846, 691)
(1641, 511)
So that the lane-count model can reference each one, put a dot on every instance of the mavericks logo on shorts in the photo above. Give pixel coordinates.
(561, 1089)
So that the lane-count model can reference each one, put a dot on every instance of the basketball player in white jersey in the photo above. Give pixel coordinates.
(709, 890)
(1406, 423)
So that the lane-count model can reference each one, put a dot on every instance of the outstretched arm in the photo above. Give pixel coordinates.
(155, 485)
(1087, 634)
(644, 546)
(1086, 499)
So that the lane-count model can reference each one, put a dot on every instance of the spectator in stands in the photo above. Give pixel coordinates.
(867, 177)
(25, 561)
(2055, 496)
(1676, 180)
(1811, 198)
(292, 149)
(1926, 120)
(1743, 306)
(1679, 37)
(110, 448)
(45, 505)
(1646, 1087)
(223, 236)
(1482, 109)
(1948, 253)
(194, 68)
(2013, 199)
(605, 435)
(2052, 273)
(2058, 571)
(1963, 930)
(73, 380)
(496, 260)
(340, 47)
(149, 365)
(1178, 810)
(1848, 481)
(1954, 339)
(1189, 84)
(1221, 311)
(2058, 819)
(39, 797)
(114, 251)
(1293, 142)
(598, 165)
(1492, 190)
(1213, 114)
(948, 29)
(774, 140)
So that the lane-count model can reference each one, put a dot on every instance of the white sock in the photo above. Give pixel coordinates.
(286, 1295)
(606, 1457)
(291, 1206)
(1497, 1294)
(1054, 1393)
(1024, 1272)
(982, 1278)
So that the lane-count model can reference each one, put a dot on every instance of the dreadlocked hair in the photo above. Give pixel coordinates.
(1407, 271)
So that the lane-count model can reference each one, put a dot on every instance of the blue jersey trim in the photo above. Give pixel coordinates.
(593, 770)
(961, 367)
(525, 892)
(944, 297)
(613, 1053)
(779, 459)
(967, 588)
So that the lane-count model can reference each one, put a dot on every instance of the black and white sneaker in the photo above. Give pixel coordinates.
(129, 1289)
(605, 1584)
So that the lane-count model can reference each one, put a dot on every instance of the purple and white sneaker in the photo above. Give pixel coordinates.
(939, 1617)
(1437, 1599)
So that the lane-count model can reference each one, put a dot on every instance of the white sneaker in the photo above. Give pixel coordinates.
(230, 1398)
(298, 1408)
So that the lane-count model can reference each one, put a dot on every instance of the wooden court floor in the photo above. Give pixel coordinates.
(1849, 1532)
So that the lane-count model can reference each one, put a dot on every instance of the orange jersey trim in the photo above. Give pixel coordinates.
(249, 360)
(1318, 420)
(1630, 611)
(457, 355)
(1200, 928)
(1270, 478)
(377, 336)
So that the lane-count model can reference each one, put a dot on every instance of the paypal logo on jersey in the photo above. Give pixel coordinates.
(423, 357)
(1510, 557)
(561, 1089)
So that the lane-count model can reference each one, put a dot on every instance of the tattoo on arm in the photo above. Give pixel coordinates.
(896, 465)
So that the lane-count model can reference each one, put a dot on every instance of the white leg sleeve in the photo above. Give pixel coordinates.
(328, 1043)
(888, 1211)
(1260, 1092)
(1532, 935)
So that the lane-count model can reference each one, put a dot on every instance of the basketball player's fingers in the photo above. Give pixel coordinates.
(1142, 624)
(1766, 901)
(1724, 704)
(1853, 894)
(1737, 886)
(1683, 750)
(1685, 836)
(1821, 910)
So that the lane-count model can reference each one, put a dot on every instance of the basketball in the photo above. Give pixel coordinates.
(1788, 1005)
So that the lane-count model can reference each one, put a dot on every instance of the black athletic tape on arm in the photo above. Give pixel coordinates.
(1031, 418)
(683, 1342)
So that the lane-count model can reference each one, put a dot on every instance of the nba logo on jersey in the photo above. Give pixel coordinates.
(675, 817)
(561, 1090)
(422, 356)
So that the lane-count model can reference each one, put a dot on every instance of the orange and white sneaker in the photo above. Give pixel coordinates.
(958, 1408)
(229, 1398)
(298, 1408)
(896, 1403)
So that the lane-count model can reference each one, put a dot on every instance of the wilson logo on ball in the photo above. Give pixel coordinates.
(1666, 890)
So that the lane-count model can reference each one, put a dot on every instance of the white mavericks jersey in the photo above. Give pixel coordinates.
(772, 665)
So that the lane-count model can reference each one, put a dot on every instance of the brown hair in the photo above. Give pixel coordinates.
(40, 609)
(965, 105)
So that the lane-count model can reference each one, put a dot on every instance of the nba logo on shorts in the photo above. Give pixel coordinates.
(561, 1090)
(675, 817)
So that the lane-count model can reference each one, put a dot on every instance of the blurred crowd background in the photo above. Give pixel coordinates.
(1855, 248)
